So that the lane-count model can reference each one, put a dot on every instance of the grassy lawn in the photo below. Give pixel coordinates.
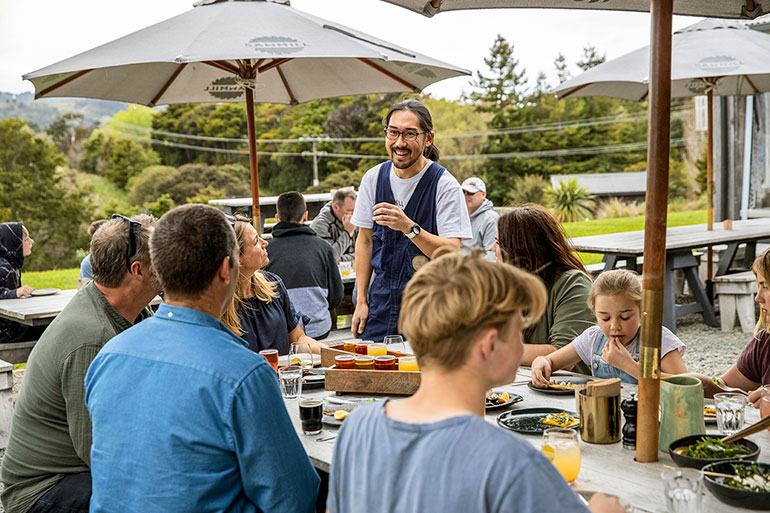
(626, 224)
(67, 278)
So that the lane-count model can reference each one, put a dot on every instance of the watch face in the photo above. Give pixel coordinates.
(416, 229)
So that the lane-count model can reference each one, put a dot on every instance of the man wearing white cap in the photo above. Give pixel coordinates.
(483, 216)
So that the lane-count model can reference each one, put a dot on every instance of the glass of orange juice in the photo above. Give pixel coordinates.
(377, 349)
(408, 363)
(560, 445)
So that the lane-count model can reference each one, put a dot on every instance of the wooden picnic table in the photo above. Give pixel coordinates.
(680, 242)
(606, 468)
(35, 310)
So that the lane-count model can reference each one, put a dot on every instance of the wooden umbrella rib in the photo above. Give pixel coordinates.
(62, 82)
(244, 69)
(168, 83)
(756, 91)
(286, 85)
(256, 66)
(272, 64)
(388, 74)
(224, 66)
(573, 91)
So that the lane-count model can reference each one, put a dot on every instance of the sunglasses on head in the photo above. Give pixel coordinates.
(131, 249)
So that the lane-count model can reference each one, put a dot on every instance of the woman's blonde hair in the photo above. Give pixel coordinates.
(459, 293)
(618, 282)
(264, 289)
(761, 266)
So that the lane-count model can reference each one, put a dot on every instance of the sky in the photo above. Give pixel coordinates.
(36, 33)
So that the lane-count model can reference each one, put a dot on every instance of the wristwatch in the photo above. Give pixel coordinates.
(413, 232)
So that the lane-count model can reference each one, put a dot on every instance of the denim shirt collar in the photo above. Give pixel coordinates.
(191, 316)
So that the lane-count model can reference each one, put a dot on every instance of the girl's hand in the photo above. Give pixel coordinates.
(616, 354)
(541, 372)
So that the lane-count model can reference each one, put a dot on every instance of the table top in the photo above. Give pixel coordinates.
(606, 468)
(678, 237)
(28, 309)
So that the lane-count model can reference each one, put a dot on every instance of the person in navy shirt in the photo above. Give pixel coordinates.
(407, 207)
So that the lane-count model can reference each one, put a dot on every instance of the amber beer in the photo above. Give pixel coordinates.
(349, 346)
(386, 362)
(362, 346)
(365, 362)
(345, 361)
(271, 355)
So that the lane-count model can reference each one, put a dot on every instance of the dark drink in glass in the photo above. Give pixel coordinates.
(387, 362)
(310, 414)
(271, 355)
(345, 361)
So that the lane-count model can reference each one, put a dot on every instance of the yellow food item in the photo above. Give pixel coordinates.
(564, 420)
(548, 452)
(562, 385)
(710, 411)
(296, 361)
(341, 414)
(503, 397)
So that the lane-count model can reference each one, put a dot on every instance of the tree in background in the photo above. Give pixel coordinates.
(32, 193)
(591, 58)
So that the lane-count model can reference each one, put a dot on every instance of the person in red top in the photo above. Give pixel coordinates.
(752, 370)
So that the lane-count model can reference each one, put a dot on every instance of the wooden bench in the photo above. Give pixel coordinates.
(736, 295)
(6, 402)
(16, 352)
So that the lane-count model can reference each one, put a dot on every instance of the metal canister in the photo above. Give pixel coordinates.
(600, 418)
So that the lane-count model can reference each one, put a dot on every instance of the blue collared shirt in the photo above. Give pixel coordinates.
(185, 418)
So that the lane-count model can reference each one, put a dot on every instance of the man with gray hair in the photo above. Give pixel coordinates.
(47, 464)
(185, 417)
(333, 224)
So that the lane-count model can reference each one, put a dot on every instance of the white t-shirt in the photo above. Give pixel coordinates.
(584, 344)
(451, 213)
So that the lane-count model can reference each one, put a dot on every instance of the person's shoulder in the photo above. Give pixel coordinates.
(573, 278)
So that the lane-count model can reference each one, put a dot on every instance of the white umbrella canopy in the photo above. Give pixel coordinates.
(725, 57)
(231, 51)
(194, 57)
(714, 8)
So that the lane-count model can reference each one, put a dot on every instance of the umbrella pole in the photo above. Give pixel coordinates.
(253, 164)
(658, 132)
(710, 178)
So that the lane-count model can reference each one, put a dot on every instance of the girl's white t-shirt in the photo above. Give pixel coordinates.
(451, 212)
(584, 344)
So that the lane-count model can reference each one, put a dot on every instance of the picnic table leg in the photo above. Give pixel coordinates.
(610, 261)
(749, 254)
(699, 293)
(727, 259)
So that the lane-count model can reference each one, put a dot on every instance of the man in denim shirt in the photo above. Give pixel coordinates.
(185, 417)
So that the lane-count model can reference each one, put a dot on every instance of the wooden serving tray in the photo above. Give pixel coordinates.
(367, 381)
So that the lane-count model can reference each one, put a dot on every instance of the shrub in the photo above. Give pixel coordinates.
(571, 201)
(530, 188)
(615, 207)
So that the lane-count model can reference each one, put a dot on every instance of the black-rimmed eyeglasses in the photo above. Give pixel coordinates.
(131, 249)
(406, 135)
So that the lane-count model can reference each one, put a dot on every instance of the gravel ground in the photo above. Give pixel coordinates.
(710, 351)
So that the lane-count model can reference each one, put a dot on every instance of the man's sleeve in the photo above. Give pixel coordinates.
(73, 391)
(488, 237)
(276, 472)
(452, 218)
(334, 279)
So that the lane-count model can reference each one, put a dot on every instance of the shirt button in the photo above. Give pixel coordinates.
(171, 314)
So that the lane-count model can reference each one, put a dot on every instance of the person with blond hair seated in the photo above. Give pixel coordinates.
(433, 451)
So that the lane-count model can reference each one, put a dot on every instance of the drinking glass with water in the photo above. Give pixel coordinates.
(290, 379)
(683, 489)
(730, 410)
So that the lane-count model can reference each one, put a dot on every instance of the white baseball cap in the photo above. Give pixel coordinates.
(473, 185)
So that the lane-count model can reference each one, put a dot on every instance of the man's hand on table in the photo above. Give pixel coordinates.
(601, 503)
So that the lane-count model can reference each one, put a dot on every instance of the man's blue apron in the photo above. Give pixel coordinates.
(395, 258)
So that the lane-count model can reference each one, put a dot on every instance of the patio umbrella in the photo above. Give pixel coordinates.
(226, 51)
(658, 133)
(711, 57)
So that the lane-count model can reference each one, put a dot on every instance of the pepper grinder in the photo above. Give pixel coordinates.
(628, 406)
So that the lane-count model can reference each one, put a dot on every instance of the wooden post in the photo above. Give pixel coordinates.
(253, 164)
(710, 178)
(658, 132)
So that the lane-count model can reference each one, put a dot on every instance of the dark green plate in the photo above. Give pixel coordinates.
(527, 420)
(512, 399)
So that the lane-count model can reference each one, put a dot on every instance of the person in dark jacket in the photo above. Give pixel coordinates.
(15, 244)
(305, 263)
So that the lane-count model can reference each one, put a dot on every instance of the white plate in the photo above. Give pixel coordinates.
(284, 360)
(709, 419)
(45, 292)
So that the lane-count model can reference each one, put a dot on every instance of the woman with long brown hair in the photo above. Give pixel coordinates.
(261, 311)
(531, 238)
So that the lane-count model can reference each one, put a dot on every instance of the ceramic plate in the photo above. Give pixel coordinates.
(527, 420)
(284, 360)
(710, 418)
(313, 378)
(512, 399)
(45, 292)
(556, 379)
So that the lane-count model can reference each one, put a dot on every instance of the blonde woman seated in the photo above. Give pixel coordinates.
(261, 311)
(611, 348)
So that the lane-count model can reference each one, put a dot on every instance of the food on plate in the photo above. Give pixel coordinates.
(562, 385)
(497, 397)
(341, 414)
(749, 478)
(710, 411)
(563, 419)
(708, 448)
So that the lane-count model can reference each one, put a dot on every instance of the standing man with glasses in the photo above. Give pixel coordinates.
(407, 207)
(46, 467)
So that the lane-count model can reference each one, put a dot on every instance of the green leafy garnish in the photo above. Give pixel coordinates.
(749, 478)
(713, 448)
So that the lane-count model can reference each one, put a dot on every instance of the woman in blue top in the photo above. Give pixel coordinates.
(611, 349)
(261, 311)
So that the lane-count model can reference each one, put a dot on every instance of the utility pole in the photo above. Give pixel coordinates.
(316, 153)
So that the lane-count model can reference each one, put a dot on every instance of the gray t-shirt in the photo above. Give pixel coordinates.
(459, 464)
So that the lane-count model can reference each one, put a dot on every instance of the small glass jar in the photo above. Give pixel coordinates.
(365, 362)
(345, 361)
(385, 362)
